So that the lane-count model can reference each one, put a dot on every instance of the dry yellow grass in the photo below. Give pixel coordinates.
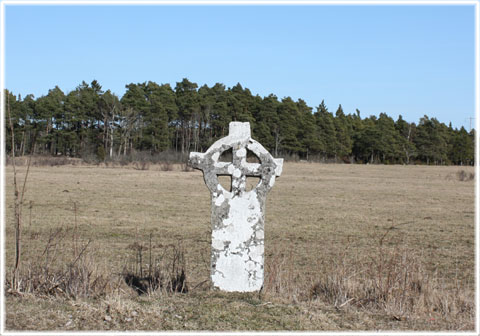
(316, 215)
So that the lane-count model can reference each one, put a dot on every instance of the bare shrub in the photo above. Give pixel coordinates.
(392, 279)
(166, 166)
(19, 196)
(165, 270)
(43, 161)
(65, 267)
(62, 271)
(90, 158)
(186, 167)
(143, 165)
(62, 268)
(123, 160)
(464, 176)
(141, 160)
(169, 156)
(461, 175)
(281, 279)
(51, 161)
(152, 158)
(289, 157)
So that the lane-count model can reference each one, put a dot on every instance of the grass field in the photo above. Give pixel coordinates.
(347, 247)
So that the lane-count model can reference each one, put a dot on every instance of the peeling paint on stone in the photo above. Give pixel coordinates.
(238, 215)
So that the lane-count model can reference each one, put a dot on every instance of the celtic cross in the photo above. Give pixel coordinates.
(238, 215)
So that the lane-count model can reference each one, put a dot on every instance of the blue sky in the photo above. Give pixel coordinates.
(408, 60)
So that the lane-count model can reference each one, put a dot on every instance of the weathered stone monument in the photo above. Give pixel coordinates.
(238, 215)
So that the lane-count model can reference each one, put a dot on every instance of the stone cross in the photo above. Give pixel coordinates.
(238, 215)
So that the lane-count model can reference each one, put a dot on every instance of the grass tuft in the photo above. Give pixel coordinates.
(165, 270)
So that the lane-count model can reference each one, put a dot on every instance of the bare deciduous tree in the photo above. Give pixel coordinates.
(18, 199)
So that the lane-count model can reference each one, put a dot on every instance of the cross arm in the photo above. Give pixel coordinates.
(197, 160)
(279, 168)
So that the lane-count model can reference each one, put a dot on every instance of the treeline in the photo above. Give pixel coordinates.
(153, 118)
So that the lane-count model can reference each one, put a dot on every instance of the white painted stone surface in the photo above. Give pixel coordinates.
(238, 215)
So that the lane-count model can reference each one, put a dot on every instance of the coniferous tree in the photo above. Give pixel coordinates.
(27, 119)
(12, 118)
(161, 105)
(288, 115)
(50, 110)
(266, 128)
(135, 101)
(311, 144)
(343, 134)
(153, 118)
(389, 141)
(430, 141)
(219, 116)
(462, 149)
(239, 102)
(327, 131)
(109, 106)
(188, 104)
(367, 146)
(356, 128)
(407, 133)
